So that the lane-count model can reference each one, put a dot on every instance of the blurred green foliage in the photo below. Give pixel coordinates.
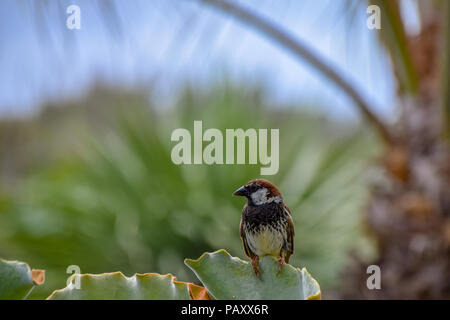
(94, 185)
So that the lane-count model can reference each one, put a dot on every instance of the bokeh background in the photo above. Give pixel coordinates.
(86, 116)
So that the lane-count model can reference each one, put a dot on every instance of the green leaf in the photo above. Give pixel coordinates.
(17, 279)
(227, 277)
(393, 37)
(116, 286)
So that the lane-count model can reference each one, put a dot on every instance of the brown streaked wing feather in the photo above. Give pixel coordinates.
(290, 233)
(247, 250)
(287, 209)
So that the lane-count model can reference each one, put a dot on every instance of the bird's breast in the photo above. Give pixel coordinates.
(266, 239)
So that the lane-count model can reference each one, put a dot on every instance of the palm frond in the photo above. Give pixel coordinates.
(394, 39)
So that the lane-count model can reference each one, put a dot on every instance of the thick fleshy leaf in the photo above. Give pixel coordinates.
(198, 292)
(116, 286)
(227, 277)
(17, 279)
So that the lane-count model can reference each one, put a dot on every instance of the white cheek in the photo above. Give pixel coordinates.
(260, 196)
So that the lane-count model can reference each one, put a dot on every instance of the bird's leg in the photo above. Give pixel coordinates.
(255, 265)
(282, 262)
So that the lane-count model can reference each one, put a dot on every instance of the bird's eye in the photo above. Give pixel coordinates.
(253, 187)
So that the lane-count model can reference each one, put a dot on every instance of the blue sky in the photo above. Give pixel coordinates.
(166, 43)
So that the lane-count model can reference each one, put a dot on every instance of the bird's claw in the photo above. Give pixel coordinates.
(281, 261)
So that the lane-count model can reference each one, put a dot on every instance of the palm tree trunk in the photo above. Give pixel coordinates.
(409, 211)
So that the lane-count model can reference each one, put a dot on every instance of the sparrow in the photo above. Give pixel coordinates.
(266, 226)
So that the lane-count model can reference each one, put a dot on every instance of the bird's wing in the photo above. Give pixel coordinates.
(290, 233)
(249, 253)
(287, 209)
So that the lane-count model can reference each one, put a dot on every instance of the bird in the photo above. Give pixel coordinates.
(266, 226)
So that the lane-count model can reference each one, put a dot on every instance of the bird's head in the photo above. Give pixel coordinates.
(259, 192)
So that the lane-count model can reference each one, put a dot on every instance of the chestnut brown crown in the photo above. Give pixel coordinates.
(259, 191)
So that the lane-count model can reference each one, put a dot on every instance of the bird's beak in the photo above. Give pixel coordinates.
(242, 191)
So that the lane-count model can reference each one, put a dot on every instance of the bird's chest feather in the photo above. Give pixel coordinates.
(266, 240)
(265, 230)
